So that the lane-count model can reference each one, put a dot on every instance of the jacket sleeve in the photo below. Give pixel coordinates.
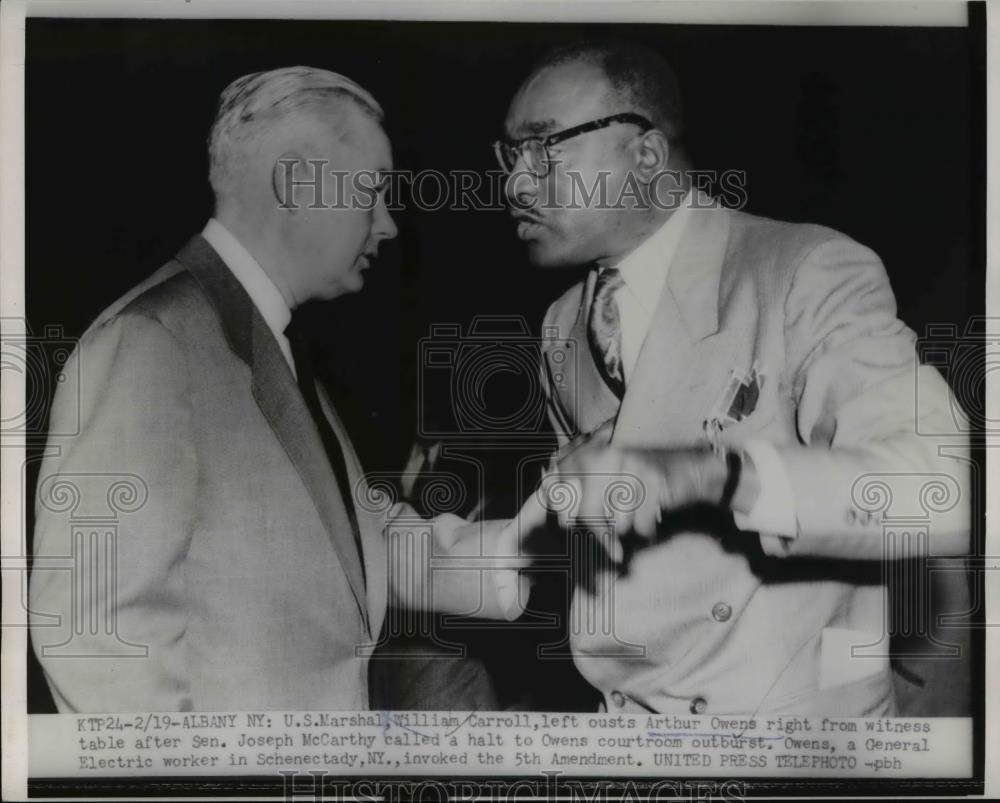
(108, 588)
(880, 436)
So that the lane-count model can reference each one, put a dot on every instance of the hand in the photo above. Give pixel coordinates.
(505, 538)
(532, 517)
(533, 514)
(632, 487)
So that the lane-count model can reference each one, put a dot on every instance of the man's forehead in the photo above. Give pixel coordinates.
(557, 98)
(379, 151)
(368, 143)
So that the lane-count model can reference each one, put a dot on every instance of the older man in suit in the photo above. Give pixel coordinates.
(734, 363)
(249, 578)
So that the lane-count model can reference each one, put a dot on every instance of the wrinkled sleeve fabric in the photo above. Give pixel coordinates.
(133, 406)
(879, 435)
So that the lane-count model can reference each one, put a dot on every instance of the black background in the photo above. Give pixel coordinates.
(872, 131)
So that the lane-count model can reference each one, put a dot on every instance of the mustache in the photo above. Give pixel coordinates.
(525, 214)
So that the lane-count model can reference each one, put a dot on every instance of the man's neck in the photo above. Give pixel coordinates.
(255, 239)
(646, 223)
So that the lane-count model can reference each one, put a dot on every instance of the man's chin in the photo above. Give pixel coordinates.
(348, 286)
(542, 255)
(356, 278)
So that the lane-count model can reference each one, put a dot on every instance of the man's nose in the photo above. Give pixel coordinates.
(521, 187)
(385, 227)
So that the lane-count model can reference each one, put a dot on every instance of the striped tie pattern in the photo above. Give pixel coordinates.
(604, 329)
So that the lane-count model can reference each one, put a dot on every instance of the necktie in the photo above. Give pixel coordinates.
(307, 385)
(604, 329)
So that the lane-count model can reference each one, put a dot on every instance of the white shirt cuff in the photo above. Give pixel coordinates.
(512, 586)
(512, 590)
(773, 514)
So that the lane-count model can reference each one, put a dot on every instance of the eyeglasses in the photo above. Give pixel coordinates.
(535, 150)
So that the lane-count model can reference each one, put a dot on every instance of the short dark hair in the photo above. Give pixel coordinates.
(637, 73)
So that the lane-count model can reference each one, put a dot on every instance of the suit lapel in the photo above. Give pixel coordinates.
(682, 349)
(279, 399)
(371, 524)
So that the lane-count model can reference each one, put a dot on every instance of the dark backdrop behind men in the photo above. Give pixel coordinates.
(869, 131)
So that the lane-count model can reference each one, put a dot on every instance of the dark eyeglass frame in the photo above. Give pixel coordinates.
(516, 146)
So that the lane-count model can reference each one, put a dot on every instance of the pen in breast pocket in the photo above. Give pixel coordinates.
(579, 442)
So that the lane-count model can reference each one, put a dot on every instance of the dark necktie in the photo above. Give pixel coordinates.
(307, 385)
(604, 329)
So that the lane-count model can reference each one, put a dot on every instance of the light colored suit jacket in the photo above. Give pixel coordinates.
(723, 622)
(228, 577)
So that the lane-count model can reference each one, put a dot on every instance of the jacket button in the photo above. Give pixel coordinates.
(699, 705)
(721, 612)
(617, 698)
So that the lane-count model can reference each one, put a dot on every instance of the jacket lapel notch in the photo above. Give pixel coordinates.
(696, 272)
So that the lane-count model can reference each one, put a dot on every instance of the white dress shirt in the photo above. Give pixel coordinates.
(645, 272)
(262, 291)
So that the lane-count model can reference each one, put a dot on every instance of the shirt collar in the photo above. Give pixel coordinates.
(262, 291)
(645, 269)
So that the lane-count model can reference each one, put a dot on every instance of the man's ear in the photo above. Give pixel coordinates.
(289, 169)
(652, 155)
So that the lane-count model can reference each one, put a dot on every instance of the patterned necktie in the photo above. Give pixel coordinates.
(331, 445)
(604, 329)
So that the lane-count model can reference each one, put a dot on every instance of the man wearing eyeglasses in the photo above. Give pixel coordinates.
(749, 377)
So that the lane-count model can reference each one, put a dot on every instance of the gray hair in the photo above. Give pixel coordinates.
(253, 102)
